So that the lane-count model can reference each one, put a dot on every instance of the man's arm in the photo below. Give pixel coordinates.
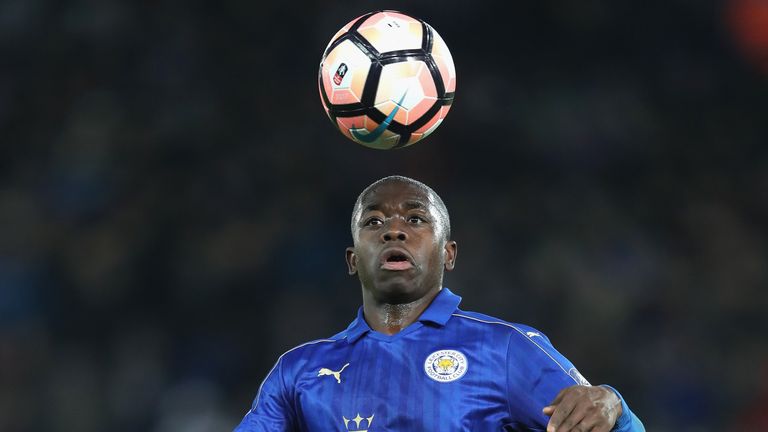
(597, 409)
(542, 383)
(271, 410)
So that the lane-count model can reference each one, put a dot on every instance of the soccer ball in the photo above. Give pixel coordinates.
(387, 80)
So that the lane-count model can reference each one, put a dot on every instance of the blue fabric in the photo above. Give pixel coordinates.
(450, 371)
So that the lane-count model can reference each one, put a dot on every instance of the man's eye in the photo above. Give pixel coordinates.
(372, 221)
(415, 219)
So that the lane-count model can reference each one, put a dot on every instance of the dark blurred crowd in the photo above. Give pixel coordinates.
(174, 204)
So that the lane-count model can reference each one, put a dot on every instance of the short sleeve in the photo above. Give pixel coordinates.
(536, 372)
(271, 411)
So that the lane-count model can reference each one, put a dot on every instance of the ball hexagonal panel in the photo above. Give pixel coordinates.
(407, 87)
(444, 62)
(363, 126)
(429, 126)
(392, 31)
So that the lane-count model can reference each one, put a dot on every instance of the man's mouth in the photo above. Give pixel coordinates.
(396, 260)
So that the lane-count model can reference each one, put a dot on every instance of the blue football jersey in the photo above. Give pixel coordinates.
(451, 370)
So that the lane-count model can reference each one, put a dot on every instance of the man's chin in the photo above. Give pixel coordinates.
(397, 292)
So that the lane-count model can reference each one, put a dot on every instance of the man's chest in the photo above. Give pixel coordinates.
(374, 386)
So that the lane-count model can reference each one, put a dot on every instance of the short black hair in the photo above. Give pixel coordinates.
(433, 196)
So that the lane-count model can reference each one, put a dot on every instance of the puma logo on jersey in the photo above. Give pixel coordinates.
(337, 375)
(532, 334)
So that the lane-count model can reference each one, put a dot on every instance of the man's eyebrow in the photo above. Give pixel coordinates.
(410, 205)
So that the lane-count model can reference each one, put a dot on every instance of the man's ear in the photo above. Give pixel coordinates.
(451, 249)
(351, 260)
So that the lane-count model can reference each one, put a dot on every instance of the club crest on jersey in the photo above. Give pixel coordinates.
(445, 365)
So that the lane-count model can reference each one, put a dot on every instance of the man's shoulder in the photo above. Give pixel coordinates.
(312, 348)
(514, 330)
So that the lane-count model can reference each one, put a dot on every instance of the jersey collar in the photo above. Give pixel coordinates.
(441, 308)
(438, 312)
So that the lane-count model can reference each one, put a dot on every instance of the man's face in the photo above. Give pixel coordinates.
(400, 248)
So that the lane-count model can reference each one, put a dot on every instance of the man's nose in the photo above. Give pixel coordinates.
(394, 231)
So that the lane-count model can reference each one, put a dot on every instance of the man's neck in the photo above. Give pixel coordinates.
(392, 318)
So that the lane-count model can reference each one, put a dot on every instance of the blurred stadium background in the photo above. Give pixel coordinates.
(174, 203)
